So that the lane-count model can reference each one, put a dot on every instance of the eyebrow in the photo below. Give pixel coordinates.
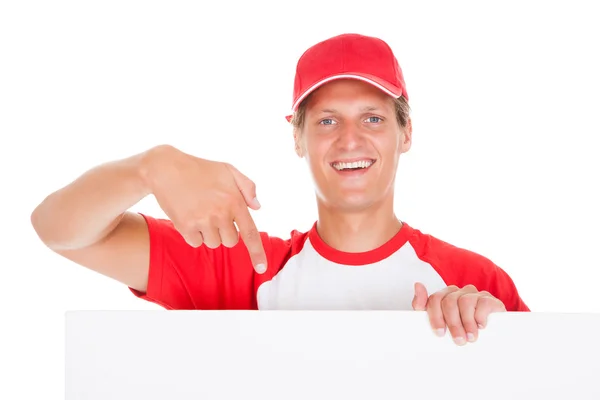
(334, 111)
(369, 108)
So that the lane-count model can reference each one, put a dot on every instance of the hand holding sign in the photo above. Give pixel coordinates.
(464, 311)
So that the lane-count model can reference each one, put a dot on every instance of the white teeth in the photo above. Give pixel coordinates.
(352, 165)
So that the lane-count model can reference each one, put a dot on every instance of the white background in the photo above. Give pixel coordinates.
(504, 162)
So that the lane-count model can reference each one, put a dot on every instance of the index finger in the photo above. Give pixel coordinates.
(251, 237)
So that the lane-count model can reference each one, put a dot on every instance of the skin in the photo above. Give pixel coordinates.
(349, 120)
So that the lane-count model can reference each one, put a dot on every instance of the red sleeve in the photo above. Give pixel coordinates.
(477, 270)
(182, 277)
(462, 267)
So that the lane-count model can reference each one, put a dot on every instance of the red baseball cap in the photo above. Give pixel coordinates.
(348, 56)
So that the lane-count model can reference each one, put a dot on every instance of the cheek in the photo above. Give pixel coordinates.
(389, 144)
(398, 142)
(315, 150)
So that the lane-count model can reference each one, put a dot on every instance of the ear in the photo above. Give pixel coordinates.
(406, 137)
(298, 144)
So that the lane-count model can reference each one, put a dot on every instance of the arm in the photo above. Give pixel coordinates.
(87, 222)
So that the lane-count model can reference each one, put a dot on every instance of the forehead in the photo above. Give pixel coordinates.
(348, 93)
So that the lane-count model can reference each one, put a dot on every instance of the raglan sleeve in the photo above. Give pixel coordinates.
(182, 277)
(485, 275)
(502, 286)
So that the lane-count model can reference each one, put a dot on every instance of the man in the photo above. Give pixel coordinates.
(351, 123)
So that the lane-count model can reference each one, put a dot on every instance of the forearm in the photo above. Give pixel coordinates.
(89, 208)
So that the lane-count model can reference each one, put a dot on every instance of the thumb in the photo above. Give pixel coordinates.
(419, 302)
(246, 187)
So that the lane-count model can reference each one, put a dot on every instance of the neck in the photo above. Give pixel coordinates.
(356, 232)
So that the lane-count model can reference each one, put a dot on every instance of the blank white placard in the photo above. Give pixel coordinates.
(326, 355)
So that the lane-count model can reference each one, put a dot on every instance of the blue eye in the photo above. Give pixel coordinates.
(326, 121)
(374, 119)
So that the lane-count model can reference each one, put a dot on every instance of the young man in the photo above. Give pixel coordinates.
(351, 123)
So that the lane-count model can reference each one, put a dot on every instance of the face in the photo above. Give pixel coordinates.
(352, 143)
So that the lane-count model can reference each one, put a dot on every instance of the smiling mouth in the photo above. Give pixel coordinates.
(353, 165)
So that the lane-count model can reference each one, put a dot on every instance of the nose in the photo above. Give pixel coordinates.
(349, 137)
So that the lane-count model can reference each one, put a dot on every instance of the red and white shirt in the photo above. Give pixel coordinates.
(304, 273)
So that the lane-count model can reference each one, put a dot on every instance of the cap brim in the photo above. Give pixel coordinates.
(381, 84)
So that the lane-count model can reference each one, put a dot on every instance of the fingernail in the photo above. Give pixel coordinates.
(459, 340)
(260, 268)
(439, 332)
(255, 202)
(480, 326)
(470, 337)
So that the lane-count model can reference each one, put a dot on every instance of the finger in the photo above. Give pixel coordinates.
(434, 310)
(486, 305)
(419, 302)
(193, 238)
(246, 186)
(451, 312)
(251, 237)
(211, 236)
(467, 304)
(229, 234)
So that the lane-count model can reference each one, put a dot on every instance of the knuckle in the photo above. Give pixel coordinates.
(194, 239)
(233, 242)
(230, 241)
(486, 301)
(448, 301)
(188, 225)
(222, 219)
(491, 302)
(225, 200)
(470, 287)
(236, 204)
(465, 300)
(232, 202)
(214, 217)
(453, 322)
(211, 244)
(252, 233)
(436, 297)
(226, 167)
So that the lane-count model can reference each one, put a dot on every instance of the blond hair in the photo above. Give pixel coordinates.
(401, 107)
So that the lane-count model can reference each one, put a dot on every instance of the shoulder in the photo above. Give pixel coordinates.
(292, 244)
(461, 267)
(446, 255)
